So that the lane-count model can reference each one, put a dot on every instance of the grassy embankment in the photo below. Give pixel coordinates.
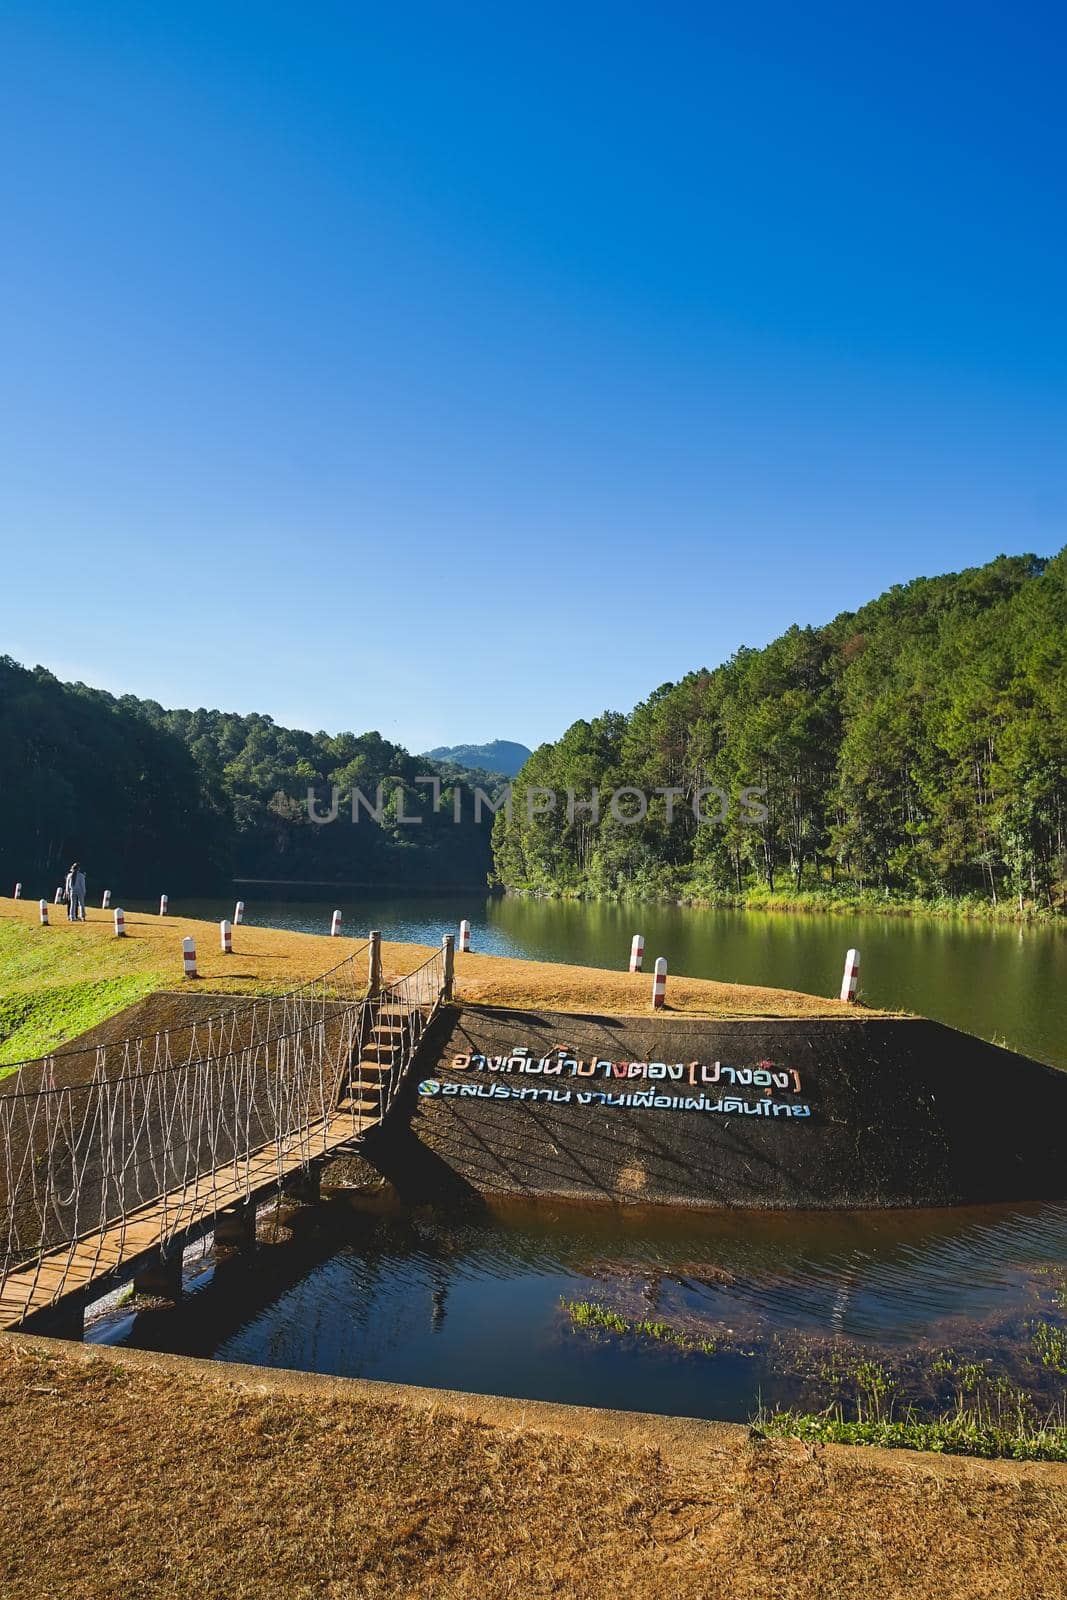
(134, 1475)
(56, 982)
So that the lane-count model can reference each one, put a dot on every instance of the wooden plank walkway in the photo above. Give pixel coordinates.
(74, 1267)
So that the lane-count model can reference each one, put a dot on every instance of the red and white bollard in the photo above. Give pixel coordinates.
(44, 913)
(659, 983)
(189, 957)
(59, 895)
(852, 972)
(18, 891)
(105, 903)
(238, 912)
(464, 935)
(163, 905)
(226, 938)
(637, 952)
(335, 925)
(120, 923)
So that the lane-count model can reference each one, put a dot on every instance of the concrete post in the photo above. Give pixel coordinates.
(637, 952)
(44, 913)
(659, 983)
(189, 957)
(465, 935)
(374, 962)
(850, 975)
(18, 891)
(448, 945)
(225, 938)
(335, 925)
(105, 904)
(120, 923)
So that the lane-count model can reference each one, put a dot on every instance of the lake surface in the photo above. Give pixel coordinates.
(758, 1308)
(1002, 982)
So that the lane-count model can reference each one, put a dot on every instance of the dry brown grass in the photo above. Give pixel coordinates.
(129, 1477)
(268, 957)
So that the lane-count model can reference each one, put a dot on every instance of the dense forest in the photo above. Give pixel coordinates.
(190, 800)
(914, 749)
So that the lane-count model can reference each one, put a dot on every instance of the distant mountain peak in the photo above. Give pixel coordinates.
(499, 755)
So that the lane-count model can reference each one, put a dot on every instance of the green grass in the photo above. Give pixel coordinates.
(31, 958)
(988, 1415)
(591, 1314)
(33, 1022)
(1050, 1343)
(841, 898)
(968, 1431)
(53, 989)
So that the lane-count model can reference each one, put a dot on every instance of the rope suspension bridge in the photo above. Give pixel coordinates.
(162, 1136)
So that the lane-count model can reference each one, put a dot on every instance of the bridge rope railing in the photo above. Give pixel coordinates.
(169, 1129)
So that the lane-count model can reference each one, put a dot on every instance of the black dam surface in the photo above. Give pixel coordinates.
(683, 1111)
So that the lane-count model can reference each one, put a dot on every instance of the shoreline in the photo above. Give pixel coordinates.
(813, 903)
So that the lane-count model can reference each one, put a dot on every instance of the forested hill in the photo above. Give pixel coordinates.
(186, 801)
(916, 748)
(502, 756)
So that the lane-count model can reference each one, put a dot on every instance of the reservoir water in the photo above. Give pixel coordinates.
(707, 1315)
(1003, 982)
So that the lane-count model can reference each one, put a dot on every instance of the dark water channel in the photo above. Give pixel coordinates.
(737, 1309)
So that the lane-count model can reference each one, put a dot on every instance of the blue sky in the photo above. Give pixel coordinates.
(461, 370)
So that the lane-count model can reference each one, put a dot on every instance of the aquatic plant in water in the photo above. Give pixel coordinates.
(1050, 1343)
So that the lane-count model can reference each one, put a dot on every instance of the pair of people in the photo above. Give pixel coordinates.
(74, 894)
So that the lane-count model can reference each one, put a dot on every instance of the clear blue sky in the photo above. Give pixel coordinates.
(462, 370)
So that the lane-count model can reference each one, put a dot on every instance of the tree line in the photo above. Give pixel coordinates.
(200, 798)
(914, 748)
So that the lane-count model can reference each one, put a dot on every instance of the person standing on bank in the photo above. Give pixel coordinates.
(79, 893)
(68, 890)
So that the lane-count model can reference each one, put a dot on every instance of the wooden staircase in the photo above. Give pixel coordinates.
(364, 1092)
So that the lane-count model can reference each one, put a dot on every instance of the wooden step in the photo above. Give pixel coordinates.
(387, 1027)
(382, 1050)
(360, 1105)
(373, 1066)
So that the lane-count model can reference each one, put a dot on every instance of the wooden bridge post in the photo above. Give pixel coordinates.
(162, 1275)
(303, 1184)
(374, 969)
(236, 1226)
(448, 945)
